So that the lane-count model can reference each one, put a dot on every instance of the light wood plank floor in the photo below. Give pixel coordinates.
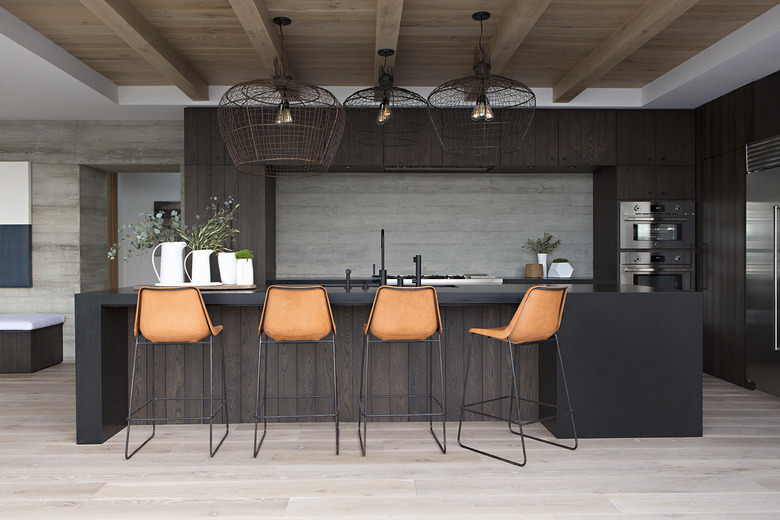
(732, 472)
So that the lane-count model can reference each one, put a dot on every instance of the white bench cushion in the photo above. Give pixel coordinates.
(29, 321)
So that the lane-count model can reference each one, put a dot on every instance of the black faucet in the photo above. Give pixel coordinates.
(346, 282)
(417, 270)
(382, 270)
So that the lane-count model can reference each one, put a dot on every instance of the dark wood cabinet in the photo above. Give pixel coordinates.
(723, 127)
(655, 137)
(656, 182)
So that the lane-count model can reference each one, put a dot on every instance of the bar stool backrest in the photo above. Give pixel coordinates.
(539, 315)
(404, 313)
(296, 313)
(172, 315)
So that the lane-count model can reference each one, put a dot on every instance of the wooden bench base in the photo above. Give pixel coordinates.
(23, 351)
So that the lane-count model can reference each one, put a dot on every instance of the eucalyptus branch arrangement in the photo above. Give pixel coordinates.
(215, 231)
(544, 244)
(152, 229)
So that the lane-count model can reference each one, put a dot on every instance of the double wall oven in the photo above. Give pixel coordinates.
(657, 241)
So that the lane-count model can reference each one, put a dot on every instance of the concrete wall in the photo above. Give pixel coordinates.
(63, 258)
(459, 223)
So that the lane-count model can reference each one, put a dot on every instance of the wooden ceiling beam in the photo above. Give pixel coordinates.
(648, 21)
(388, 26)
(516, 22)
(130, 25)
(261, 30)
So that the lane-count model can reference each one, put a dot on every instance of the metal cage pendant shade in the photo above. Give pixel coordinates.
(280, 127)
(481, 114)
(386, 115)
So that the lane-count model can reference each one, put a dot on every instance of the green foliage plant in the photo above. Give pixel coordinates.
(212, 229)
(245, 254)
(561, 261)
(151, 230)
(544, 244)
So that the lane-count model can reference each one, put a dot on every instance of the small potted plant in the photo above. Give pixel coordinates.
(245, 274)
(560, 268)
(542, 247)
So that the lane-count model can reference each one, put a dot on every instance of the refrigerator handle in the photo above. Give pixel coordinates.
(776, 210)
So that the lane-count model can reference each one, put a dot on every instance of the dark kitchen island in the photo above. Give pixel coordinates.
(633, 358)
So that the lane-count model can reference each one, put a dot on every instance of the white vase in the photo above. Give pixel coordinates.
(560, 270)
(245, 273)
(201, 266)
(171, 263)
(541, 258)
(227, 267)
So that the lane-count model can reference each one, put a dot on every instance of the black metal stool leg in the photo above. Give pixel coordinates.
(363, 400)
(213, 450)
(443, 443)
(257, 445)
(336, 409)
(130, 407)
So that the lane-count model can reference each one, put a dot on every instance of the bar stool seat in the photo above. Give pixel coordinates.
(175, 316)
(403, 315)
(292, 316)
(536, 320)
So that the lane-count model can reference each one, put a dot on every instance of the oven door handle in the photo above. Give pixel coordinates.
(776, 210)
(657, 270)
(658, 219)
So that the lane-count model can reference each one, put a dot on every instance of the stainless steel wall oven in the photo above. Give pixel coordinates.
(657, 225)
(657, 241)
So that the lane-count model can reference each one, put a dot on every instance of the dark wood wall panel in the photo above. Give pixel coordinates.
(723, 127)
(209, 171)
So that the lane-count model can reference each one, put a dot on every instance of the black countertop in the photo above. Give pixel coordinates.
(447, 295)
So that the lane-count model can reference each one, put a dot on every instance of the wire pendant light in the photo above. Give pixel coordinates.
(483, 113)
(386, 115)
(280, 127)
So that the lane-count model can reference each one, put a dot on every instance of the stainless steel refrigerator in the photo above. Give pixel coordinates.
(762, 263)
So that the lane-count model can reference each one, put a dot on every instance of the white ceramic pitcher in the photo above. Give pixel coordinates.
(171, 264)
(201, 267)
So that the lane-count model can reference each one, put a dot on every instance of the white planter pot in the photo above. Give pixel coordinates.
(560, 270)
(541, 258)
(227, 267)
(245, 272)
(201, 267)
(171, 264)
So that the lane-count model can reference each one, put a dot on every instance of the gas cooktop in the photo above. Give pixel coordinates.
(448, 279)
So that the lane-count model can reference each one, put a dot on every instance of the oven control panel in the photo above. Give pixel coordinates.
(656, 258)
(662, 208)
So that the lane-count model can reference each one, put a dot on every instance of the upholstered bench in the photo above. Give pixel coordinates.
(30, 342)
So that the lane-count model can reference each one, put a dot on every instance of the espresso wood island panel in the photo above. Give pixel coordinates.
(633, 358)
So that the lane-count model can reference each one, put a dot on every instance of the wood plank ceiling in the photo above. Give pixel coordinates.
(568, 45)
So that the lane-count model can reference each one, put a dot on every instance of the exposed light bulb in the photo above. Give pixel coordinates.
(482, 110)
(384, 112)
(488, 111)
(284, 116)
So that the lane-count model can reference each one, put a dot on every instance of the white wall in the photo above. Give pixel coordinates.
(459, 223)
(136, 193)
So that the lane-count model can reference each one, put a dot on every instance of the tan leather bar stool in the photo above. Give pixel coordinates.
(176, 316)
(536, 320)
(403, 315)
(294, 315)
